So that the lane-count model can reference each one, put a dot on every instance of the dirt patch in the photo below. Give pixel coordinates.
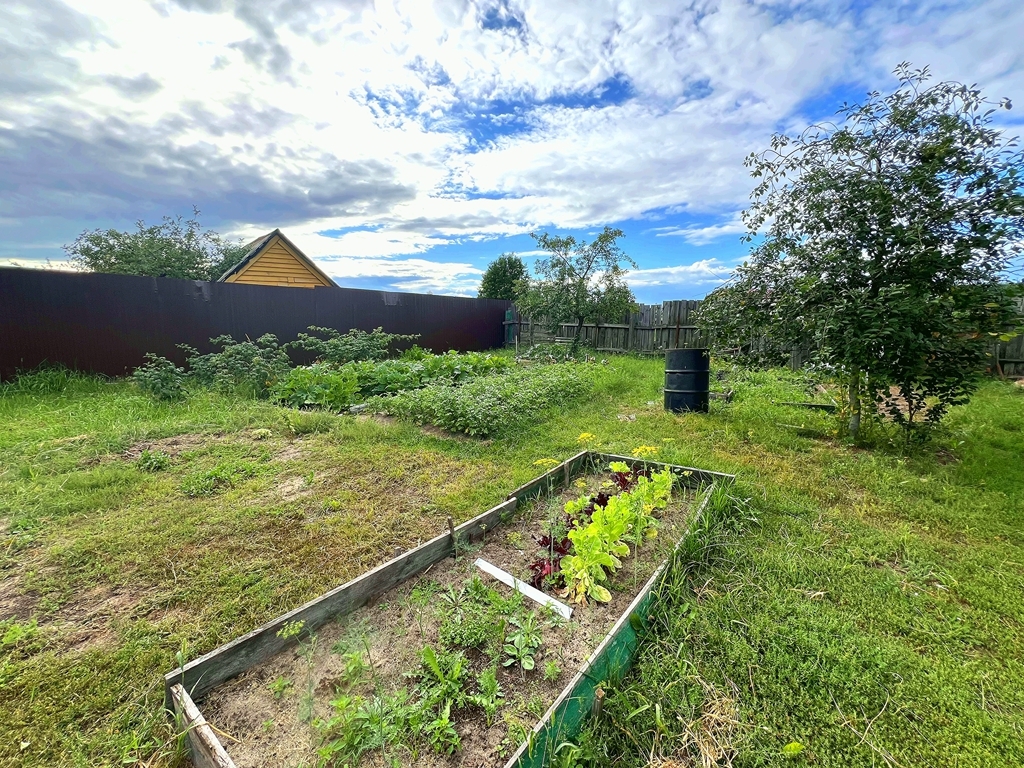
(290, 489)
(172, 446)
(14, 603)
(390, 635)
(290, 452)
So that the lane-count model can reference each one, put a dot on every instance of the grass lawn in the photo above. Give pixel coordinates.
(870, 609)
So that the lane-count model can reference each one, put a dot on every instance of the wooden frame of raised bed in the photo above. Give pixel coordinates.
(612, 658)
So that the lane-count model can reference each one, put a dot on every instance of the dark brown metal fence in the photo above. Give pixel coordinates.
(106, 323)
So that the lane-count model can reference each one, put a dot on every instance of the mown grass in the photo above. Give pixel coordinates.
(872, 612)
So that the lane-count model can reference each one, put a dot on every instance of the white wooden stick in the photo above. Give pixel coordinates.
(534, 594)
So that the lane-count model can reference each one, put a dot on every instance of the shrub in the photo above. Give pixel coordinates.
(317, 386)
(350, 347)
(389, 377)
(245, 367)
(492, 404)
(160, 378)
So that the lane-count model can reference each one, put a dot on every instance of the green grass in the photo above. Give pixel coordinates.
(873, 609)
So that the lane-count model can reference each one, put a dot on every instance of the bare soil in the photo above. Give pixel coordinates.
(259, 728)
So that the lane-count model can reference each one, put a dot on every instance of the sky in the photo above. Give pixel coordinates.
(404, 145)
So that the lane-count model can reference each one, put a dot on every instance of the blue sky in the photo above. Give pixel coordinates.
(405, 144)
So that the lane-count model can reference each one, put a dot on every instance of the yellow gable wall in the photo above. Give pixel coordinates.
(276, 265)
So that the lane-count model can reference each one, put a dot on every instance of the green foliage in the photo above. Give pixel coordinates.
(356, 345)
(46, 380)
(489, 694)
(160, 378)
(392, 376)
(17, 633)
(521, 645)
(317, 386)
(218, 478)
(578, 282)
(153, 461)
(309, 422)
(249, 368)
(559, 353)
(280, 687)
(503, 277)
(491, 405)
(176, 248)
(551, 671)
(599, 543)
(886, 240)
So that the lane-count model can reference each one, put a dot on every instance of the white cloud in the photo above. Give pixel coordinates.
(704, 274)
(704, 235)
(319, 115)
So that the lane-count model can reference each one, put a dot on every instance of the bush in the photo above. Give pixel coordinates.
(245, 367)
(559, 353)
(389, 377)
(493, 404)
(351, 347)
(317, 386)
(160, 378)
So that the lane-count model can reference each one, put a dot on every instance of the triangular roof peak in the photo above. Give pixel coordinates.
(267, 262)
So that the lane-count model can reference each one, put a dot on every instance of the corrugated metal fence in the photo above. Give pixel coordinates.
(106, 323)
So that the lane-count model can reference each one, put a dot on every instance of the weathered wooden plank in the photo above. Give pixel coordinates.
(204, 747)
(688, 476)
(562, 473)
(255, 647)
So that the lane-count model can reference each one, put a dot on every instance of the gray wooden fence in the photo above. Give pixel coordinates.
(670, 325)
(651, 329)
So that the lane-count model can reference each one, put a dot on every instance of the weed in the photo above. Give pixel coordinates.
(160, 378)
(280, 687)
(309, 422)
(153, 461)
(522, 644)
(551, 671)
(217, 479)
(488, 694)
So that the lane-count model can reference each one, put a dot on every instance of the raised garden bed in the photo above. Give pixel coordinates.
(311, 677)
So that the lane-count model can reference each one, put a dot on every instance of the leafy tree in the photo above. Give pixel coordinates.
(175, 248)
(502, 277)
(886, 241)
(579, 281)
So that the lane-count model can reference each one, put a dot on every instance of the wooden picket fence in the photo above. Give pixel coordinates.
(669, 325)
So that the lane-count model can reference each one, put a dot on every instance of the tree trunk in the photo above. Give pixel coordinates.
(579, 332)
(854, 403)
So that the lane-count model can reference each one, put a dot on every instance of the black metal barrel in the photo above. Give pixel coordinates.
(687, 380)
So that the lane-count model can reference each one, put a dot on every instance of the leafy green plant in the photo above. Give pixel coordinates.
(280, 687)
(153, 461)
(317, 386)
(249, 368)
(522, 644)
(441, 733)
(218, 478)
(488, 694)
(490, 405)
(160, 378)
(338, 348)
(442, 675)
(551, 671)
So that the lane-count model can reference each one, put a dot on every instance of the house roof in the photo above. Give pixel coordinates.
(257, 246)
